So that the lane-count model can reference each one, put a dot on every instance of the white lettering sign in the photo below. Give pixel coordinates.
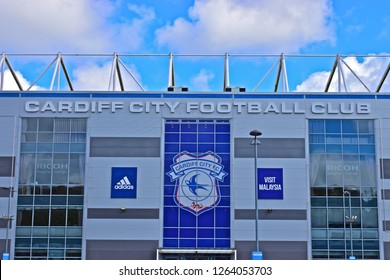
(210, 107)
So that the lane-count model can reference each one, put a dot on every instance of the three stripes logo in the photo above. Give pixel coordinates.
(124, 182)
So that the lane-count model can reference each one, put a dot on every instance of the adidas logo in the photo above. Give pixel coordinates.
(124, 184)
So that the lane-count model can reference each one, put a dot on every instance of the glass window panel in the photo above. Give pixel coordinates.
(333, 138)
(61, 137)
(317, 148)
(332, 126)
(316, 138)
(30, 124)
(23, 231)
(76, 190)
(317, 126)
(370, 234)
(73, 253)
(336, 233)
(78, 137)
(57, 231)
(318, 202)
(366, 139)
(22, 242)
(333, 148)
(350, 126)
(73, 243)
(74, 231)
(62, 125)
(350, 149)
(60, 168)
(58, 200)
(336, 244)
(78, 125)
(319, 244)
(25, 200)
(56, 253)
(57, 242)
(336, 218)
(40, 231)
(318, 234)
(42, 190)
(77, 148)
(43, 169)
(61, 148)
(350, 139)
(41, 216)
(58, 216)
(366, 126)
(61, 190)
(24, 216)
(45, 137)
(42, 200)
(46, 124)
(40, 242)
(317, 191)
(75, 217)
(367, 149)
(29, 137)
(28, 147)
(370, 217)
(318, 218)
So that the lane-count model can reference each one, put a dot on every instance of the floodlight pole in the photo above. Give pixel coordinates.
(255, 142)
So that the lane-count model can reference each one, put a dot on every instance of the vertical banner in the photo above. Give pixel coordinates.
(197, 184)
(270, 183)
(124, 182)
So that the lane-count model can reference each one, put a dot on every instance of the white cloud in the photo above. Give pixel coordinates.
(71, 26)
(249, 25)
(96, 77)
(202, 80)
(10, 83)
(370, 71)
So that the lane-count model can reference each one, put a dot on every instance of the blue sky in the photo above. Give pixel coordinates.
(292, 27)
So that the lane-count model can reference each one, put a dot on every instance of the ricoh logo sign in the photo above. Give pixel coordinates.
(123, 182)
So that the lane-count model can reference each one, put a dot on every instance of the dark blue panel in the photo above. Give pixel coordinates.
(187, 219)
(223, 148)
(206, 243)
(169, 189)
(205, 233)
(223, 217)
(188, 147)
(187, 243)
(223, 138)
(367, 149)
(168, 201)
(317, 148)
(172, 127)
(206, 219)
(206, 138)
(171, 243)
(171, 148)
(223, 128)
(202, 148)
(223, 233)
(187, 233)
(171, 137)
(206, 127)
(170, 217)
(225, 201)
(188, 138)
(188, 127)
(222, 243)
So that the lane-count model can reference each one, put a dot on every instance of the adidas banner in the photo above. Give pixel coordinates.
(124, 182)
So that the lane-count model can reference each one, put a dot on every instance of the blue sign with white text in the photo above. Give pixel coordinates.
(124, 182)
(270, 183)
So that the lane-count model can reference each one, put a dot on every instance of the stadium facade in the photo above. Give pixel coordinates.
(171, 175)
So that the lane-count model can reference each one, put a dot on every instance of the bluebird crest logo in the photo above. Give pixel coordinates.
(197, 178)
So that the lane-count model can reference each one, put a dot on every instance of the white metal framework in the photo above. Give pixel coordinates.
(116, 75)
